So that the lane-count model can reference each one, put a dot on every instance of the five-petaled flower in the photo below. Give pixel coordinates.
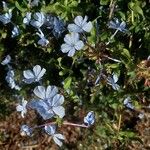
(72, 44)
(43, 41)
(89, 119)
(6, 18)
(80, 25)
(15, 32)
(49, 103)
(35, 75)
(113, 81)
(117, 25)
(51, 129)
(38, 20)
(27, 18)
(22, 107)
(26, 130)
(127, 102)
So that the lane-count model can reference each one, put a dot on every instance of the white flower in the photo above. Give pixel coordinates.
(72, 44)
(43, 41)
(6, 60)
(6, 18)
(81, 25)
(90, 118)
(27, 18)
(38, 20)
(33, 76)
(15, 32)
(22, 107)
(51, 129)
(113, 82)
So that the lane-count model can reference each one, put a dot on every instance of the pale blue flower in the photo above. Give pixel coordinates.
(15, 32)
(7, 60)
(6, 18)
(58, 27)
(113, 81)
(22, 107)
(51, 129)
(11, 80)
(27, 18)
(127, 102)
(80, 25)
(38, 20)
(26, 130)
(89, 119)
(117, 25)
(43, 41)
(33, 3)
(72, 44)
(35, 75)
(5, 7)
(49, 103)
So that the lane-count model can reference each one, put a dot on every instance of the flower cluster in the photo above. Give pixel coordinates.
(72, 41)
(10, 77)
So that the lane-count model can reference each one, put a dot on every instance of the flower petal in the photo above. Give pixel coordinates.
(74, 28)
(37, 70)
(60, 111)
(79, 45)
(41, 74)
(57, 141)
(78, 20)
(65, 48)
(57, 100)
(51, 91)
(28, 74)
(87, 27)
(71, 52)
(39, 91)
(50, 129)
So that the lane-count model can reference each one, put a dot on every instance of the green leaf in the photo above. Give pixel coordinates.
(19, 7)
(104, 2)
(67, 82)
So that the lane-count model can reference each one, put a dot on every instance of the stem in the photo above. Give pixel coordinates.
(112, 37)
(116, 60)
(64, 123)
(119, 124)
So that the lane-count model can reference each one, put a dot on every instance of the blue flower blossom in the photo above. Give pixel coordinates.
(113, 82)
(38, 20)
(22, 107)
(11, 81)
(6, 18)
(43, 41)
(27, 18)
(15, 32)
(49, 103)
(72, 44)
(51, 129)
(80, 25)
(35, 75)
(26, 130)
(7, 60)
(127, 103)
(117, 25)
(58, 27)
(89, 119)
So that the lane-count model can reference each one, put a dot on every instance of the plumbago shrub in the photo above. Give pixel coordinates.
(91, 58)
